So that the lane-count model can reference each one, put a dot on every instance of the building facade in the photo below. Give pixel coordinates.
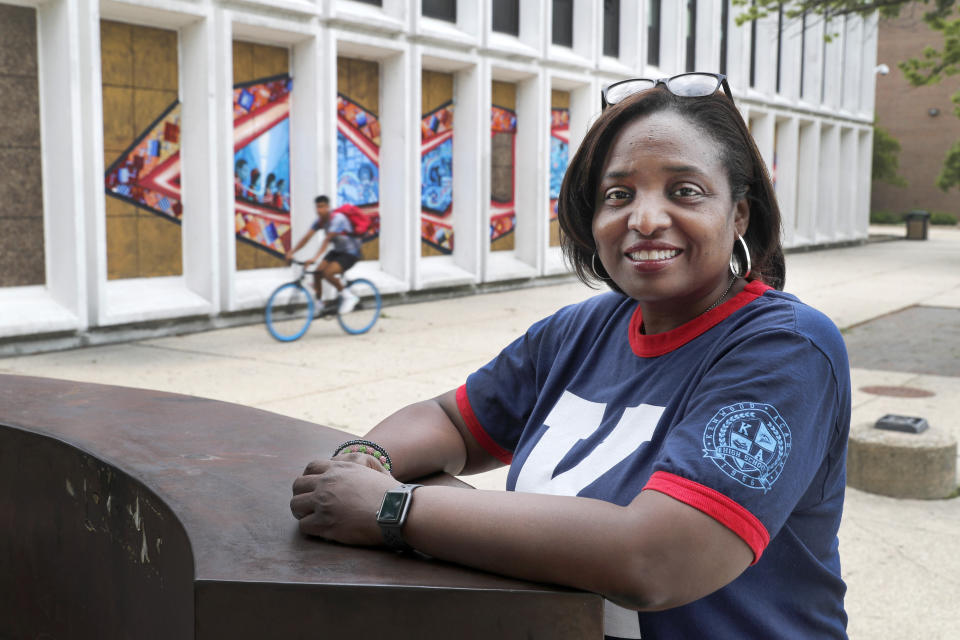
(159, 156)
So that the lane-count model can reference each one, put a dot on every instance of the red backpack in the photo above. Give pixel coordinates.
(362, 223)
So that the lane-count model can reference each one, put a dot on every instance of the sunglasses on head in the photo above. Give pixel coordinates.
(696, 84)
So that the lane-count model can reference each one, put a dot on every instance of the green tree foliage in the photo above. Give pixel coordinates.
(930, 68)
(886, 162)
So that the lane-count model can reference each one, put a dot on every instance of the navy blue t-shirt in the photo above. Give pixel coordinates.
(742, 413)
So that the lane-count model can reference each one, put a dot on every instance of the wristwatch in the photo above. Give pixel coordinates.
(393, 514)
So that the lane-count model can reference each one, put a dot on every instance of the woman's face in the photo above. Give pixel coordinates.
(664, 220)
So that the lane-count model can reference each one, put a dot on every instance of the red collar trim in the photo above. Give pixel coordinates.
(658, 344)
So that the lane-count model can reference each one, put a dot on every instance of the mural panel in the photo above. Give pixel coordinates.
(436, 163)
(262, 94)
(261, 130)
(436, 174)
(503, 131)
(358, 144)
(559, 158)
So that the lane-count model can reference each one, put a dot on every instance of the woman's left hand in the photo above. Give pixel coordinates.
(338, 500)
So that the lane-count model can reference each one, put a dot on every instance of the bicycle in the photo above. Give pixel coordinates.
(292, 307)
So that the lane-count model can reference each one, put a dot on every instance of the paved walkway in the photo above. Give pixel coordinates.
(900, 557)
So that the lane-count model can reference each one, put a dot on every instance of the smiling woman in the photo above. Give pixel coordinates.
(677, 445)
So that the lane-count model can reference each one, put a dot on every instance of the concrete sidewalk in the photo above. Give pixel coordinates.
(900, 557)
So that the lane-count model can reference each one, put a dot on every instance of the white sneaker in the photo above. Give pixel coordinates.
(347, 301)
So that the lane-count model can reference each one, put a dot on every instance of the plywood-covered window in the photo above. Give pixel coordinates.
(21, 189)
(141, 141)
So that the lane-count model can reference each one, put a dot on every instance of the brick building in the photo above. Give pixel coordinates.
(920, 118)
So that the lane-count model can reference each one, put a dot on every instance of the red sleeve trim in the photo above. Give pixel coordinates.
(716, 505)
(479, 433)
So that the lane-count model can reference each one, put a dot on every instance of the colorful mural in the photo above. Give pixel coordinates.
(559, 154)
(503, 130)
(436, 174)
(559, 158)
(261, 161)
(147, 174)
(358, 158)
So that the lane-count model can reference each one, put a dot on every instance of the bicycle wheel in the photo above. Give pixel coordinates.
(289, 312)
(365, 314)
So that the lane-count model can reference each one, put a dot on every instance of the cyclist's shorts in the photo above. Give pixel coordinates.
(342, 258)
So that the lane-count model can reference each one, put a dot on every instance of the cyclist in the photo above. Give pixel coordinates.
(338, 231)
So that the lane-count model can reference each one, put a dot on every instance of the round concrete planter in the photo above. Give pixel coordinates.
(902, 465)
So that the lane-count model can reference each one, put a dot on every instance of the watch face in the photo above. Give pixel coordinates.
(392, 506)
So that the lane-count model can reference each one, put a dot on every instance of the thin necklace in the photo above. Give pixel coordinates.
(711, 307)
(720, 299)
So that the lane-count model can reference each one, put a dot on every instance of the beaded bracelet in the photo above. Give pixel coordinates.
(367, 447)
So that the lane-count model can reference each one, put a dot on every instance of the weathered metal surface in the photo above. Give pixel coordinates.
(132, 513)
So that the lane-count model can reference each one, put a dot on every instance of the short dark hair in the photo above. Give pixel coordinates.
(717, 117)
(321, 200)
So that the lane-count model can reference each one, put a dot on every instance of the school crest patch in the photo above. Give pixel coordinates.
(748, 441)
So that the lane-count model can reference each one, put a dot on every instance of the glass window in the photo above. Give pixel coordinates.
(611, 28)
(779, 43)
(803, 48)
(653, 32)
(506, 16)
(563, 22)
(724, 28)
(691, 35)
(440, 9)
(753, 50)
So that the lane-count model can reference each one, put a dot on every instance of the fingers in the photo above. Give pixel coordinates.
(301, 505)
(305, 484)
(316, 467)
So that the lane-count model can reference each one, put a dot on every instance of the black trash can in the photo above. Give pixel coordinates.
(918, 222)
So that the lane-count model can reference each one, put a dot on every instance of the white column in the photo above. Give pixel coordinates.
(308, 113)
(200, 161)
(786, 155)
(673, 16)
(852, 80)
(531, 170)
(868, 77)
(738, 53)
(762, 128)
(71, 126)
(790, 41)
(471, 162)
(765, 68)
(847, 201)
(813, 60)
(827, 205)
(864, 182)
(832, 68)
(808, 183)
(708, 35)
(415, 179)
(400, 143)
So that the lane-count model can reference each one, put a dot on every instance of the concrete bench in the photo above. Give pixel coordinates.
(138, 514)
